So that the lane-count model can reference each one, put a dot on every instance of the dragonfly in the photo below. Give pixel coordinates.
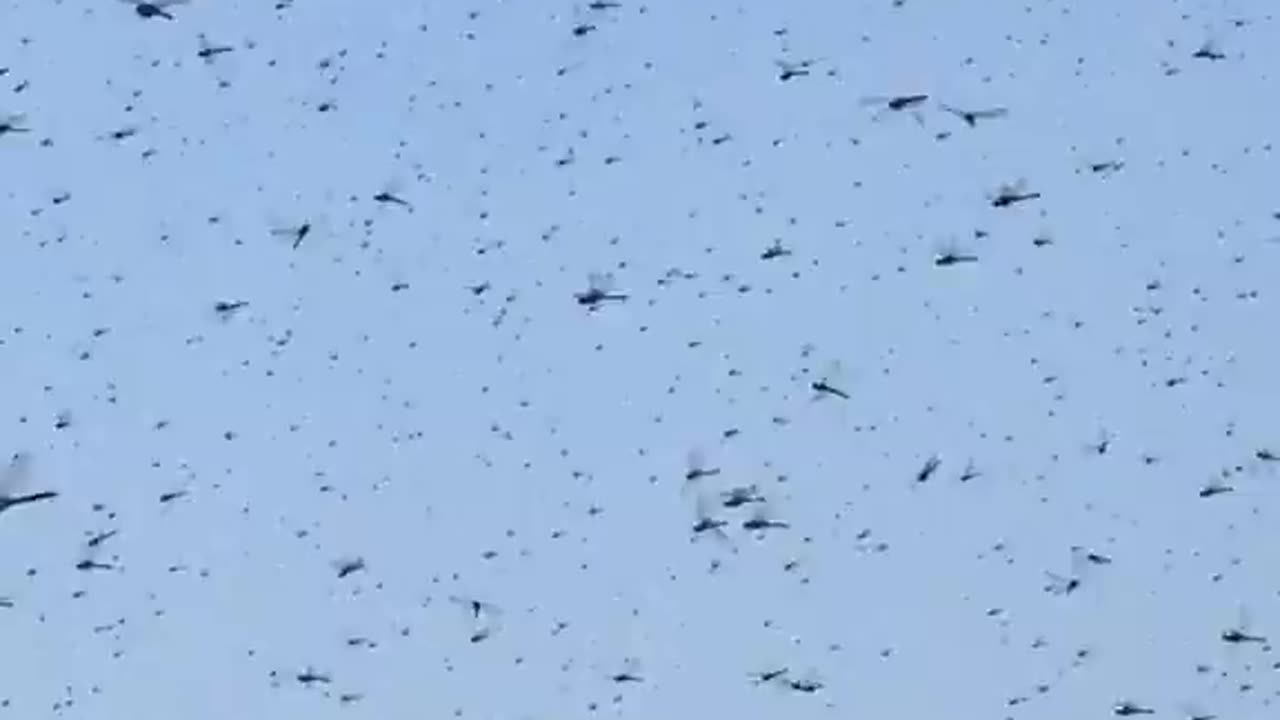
(13, 123)
(600, 289)
(1081, 559)
(739, 496)
(949, 253)
(1010, 194)
(630, 672)
(390, 194)
(708, 524)
(788, 69)
(971, 117)
(1241, 633)
(696, 468)
(485, 617)
(210, 51)
(896, 104)
(12, 480)
(147, 9)
(829, 383)
(762, 521)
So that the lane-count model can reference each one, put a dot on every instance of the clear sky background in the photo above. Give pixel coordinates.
(505, 443)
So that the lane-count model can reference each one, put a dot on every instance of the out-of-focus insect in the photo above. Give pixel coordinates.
(829, 383)
(1010, 194)
(13, 478)
(147, 9)
(13, 123)
(600, 289)
(892, 104)
(485, 617)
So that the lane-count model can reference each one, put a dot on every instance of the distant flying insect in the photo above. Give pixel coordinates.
(760, 522)
(629, 674)
(599, 290)
(13, 123)
(348, 566)
(1081, 559)
(1241, 634)
(971, 117)
(148, 10)
(1216, 487)
(1126, 708)
(13, 478)
(390, 194)
(948, 253)
(696, 468)
(209, 51)
(896, 104)
(485, 617)
(770, 676)
(788, 70)
(776, 250)
(739, 496)
(705, 523)
(828, 384)
(1011, 194)
(296, 234)
(928, 469)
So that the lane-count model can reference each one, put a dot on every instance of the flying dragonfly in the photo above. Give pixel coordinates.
(599, 290)
(829, 382)
(484, 616)
(88, 557)
(390, 194)
(1126, 708)
(739, 496)
(630, 672)
(1216, 486)
(696, 468)
(707, 524)
(777, 675)
(1241, 633)
(156, 8)
(896, 104)
(1081, 559)
(971, 117)
(209, 51)
(1010, 194)
(927, 470)
(13, 123)
(295, 234)
(761, 521)
(948, 253)
(13, 478)
(787, 70)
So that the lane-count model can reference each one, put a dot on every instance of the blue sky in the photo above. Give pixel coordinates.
(510, 445)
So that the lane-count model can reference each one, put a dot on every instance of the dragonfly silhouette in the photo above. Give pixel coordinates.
(1010, 194)
(147, 10)
(971, 117)
(599, 290)
(13, 478)
(485, 617)
(897, 104)
(788, 69)
(210, 51)
(828, 383)
(696, 468)
(13, 123)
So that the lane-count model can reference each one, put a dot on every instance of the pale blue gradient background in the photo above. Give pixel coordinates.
(382, 395)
